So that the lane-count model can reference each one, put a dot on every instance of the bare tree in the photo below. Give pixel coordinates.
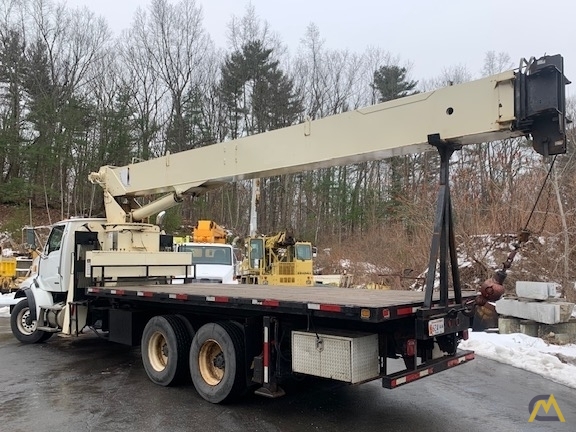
(249, 28)
(146, 91)
(65, 43)
(172, 36)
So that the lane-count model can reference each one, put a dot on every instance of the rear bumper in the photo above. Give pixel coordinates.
(429, 368)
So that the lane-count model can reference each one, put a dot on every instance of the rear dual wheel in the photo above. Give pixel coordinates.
(165, 346)
(214, 356)
(217, 361)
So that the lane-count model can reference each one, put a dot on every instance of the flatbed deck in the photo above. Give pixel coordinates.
(344, 303)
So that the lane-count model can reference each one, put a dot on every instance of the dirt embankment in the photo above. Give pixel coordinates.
(14, 218)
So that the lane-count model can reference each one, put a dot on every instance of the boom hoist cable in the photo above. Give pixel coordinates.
(492, 288)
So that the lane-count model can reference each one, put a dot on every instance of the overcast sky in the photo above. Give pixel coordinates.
(431, 34)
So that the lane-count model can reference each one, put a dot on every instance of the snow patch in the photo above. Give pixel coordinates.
(6, 300)
(528, 353)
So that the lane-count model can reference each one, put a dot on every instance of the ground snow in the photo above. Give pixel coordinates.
(528, 353)
(5, 301)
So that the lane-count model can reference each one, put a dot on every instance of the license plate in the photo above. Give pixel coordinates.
(436, 327)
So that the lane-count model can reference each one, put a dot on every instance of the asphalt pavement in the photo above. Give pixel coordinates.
(88, 384)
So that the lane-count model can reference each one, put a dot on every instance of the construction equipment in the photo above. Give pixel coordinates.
(15, 266)
(277, 260)
(111, 273)
(214, 260)
(7, 273)
(207, 231)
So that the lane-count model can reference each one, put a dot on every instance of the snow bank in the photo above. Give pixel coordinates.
(5, 301)
(527, 352)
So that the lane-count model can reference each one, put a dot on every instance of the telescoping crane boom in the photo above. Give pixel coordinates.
(527, 101)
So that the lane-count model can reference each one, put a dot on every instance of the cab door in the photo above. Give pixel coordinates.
(49, 269)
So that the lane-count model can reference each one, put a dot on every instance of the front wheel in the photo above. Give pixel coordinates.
(23, 327)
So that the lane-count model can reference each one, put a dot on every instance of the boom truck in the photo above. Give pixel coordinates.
(112, 273)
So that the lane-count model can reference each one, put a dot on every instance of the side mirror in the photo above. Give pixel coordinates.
(30, 235)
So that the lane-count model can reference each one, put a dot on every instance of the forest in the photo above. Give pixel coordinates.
(74, 97)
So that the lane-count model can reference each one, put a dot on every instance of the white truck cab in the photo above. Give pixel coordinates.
(213, 262)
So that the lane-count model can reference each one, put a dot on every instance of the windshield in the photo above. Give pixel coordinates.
(208, 254)
(303, 252)
(55, 239)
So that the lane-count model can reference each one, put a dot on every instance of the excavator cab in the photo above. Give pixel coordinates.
(256, 253)
(303, 251)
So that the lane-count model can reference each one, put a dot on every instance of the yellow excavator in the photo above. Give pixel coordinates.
(277, 260)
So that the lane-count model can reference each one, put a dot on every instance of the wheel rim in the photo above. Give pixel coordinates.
(211, 362)
(23, 326)
(158, 351)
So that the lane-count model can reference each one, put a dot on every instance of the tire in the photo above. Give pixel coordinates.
(217, 361)
(165, 347)
(23, 331)
(188, 326)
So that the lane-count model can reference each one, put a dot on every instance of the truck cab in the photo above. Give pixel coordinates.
(213, 262)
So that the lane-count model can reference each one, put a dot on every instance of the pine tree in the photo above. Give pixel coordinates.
(258, 96)
(11, 102)
(391, 82)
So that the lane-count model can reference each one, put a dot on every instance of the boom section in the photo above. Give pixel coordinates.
(505, 105)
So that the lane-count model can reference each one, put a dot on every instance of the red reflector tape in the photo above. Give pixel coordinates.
(179, 296)
(457, 361)
(94, 290)
(412, 377)
(117, 292)
(386, 313)
(217, 299)
(418, 375)
(404, 311)
(325, 307)
(273, 303)
(330, 308)
(145, 294)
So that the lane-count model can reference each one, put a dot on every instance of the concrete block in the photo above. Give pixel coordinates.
(542, 312)
(536, 290)
(529, 328)
(568, 328)
(563, 338)
(507, 325)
